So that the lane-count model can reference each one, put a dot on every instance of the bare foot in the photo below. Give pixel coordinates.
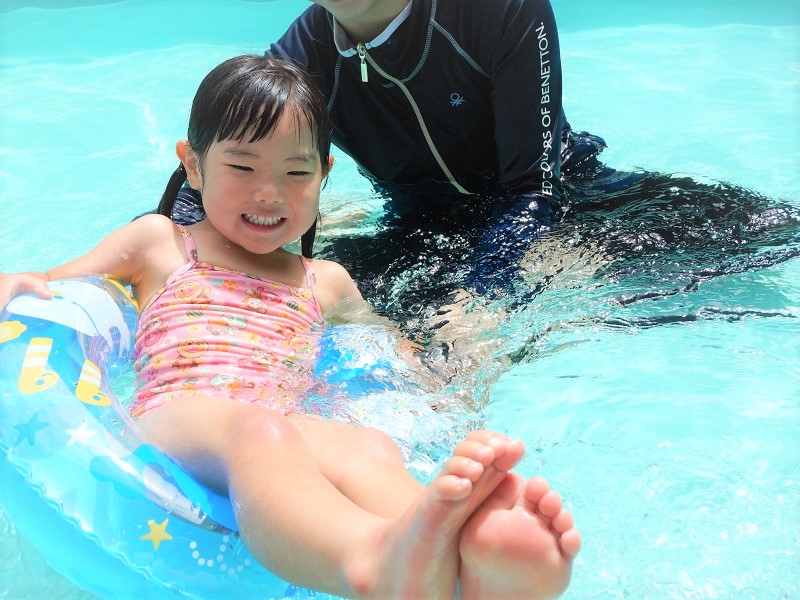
(519, 544)
(417, 555)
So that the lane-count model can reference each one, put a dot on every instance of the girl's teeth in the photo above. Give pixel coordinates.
(256, 220)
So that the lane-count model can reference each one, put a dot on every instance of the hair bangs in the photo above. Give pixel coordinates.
(245, 97)
(251, 111)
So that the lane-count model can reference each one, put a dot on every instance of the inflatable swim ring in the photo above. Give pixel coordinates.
(114, 514)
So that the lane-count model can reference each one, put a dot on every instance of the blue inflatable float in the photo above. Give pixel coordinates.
(114, 514)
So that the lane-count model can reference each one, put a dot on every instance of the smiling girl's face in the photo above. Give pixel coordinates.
(264, 194)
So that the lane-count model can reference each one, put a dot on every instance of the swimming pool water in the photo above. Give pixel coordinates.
(670, 424)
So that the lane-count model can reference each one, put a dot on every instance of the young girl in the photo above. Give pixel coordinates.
(227, 338)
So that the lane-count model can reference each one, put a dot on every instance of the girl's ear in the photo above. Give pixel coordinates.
(190, 162)
(326, 169)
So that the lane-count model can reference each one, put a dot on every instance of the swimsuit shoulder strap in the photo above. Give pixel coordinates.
(311, 279)
(188, 241)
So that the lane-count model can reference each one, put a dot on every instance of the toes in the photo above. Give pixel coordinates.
(505, 495)
(550, 504)
(484, 436)
(536, 489)
(451, 488)
(507, 452)
(466, 468)
(509, 455)
(562, 522)
(570, 542)
(475, 450)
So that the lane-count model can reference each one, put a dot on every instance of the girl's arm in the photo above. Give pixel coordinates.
(14, 284)
(335, 286)
(137, 253)
(340, 299)
(342, 302)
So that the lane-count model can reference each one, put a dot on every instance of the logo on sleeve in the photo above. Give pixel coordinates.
(456, 99)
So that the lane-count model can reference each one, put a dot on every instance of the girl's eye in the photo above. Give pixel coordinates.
(241, 167)
(299, 173)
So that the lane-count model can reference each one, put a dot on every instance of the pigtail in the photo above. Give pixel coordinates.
(307, 241)
(174, 185)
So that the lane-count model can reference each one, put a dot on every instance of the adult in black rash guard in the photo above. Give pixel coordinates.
(440, 101)
(484, 76)
(452, 109)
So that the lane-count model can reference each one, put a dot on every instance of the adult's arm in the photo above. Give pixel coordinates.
(524, 64)
(525, 77)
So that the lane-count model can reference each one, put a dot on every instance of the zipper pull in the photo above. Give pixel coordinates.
(362, 54)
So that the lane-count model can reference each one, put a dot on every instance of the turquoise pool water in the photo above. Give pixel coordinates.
(670, 424)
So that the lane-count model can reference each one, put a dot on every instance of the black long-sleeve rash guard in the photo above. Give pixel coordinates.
(485, 76)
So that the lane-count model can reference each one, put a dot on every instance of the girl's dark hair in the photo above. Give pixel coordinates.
(247, 94)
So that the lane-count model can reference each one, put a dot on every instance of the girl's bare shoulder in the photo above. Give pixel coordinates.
(328, 268)
(334, 283)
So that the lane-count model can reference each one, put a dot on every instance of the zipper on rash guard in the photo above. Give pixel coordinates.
(366, 58)
(362, 54)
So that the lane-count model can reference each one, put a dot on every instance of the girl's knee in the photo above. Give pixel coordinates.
(259, 429)
(374, 445)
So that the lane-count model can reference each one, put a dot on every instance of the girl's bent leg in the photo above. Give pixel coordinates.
(301, 526)
(344, 452)
(283, 506)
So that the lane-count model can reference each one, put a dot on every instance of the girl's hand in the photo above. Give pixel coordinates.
(14, 284)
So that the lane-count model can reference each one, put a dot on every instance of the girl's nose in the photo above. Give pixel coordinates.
(269, 193)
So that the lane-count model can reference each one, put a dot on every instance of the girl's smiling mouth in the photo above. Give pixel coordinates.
(256, 220)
